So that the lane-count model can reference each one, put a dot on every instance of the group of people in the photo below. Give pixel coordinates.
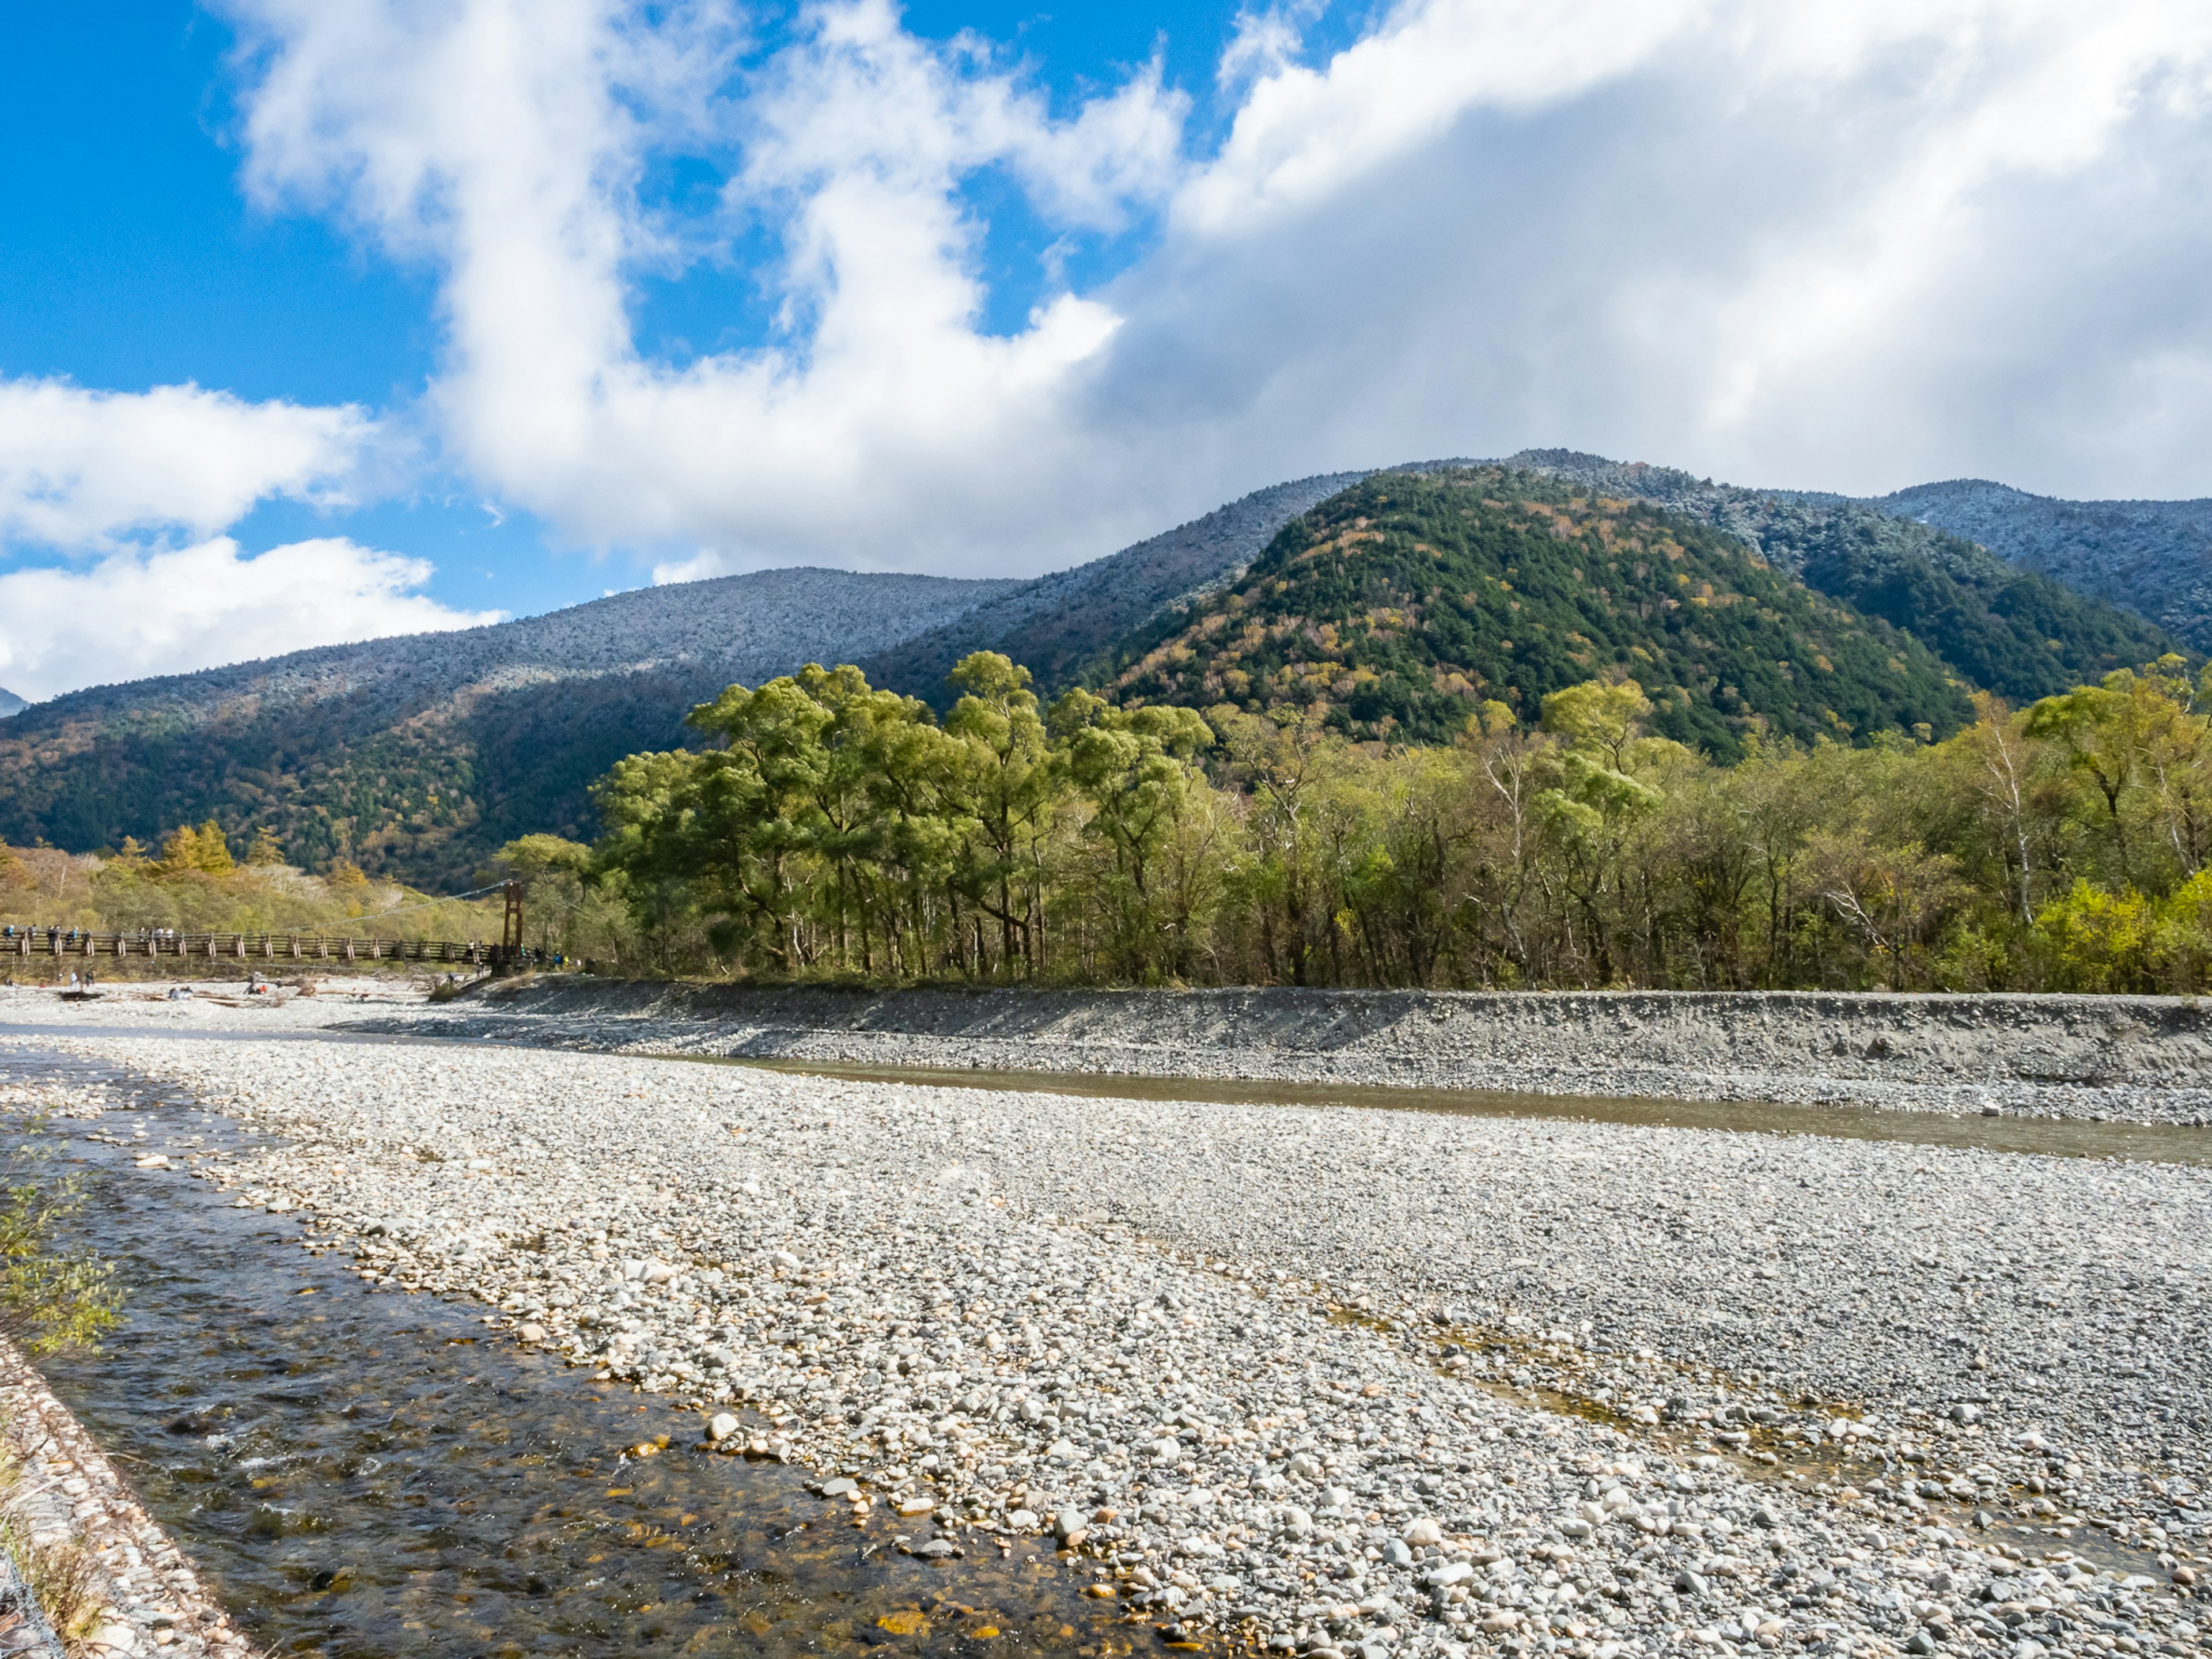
(74, 935)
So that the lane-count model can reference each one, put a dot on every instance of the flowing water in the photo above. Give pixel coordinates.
(364, 1473)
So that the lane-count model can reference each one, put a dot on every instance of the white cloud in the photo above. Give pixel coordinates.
(1305, 135)
(86, 469)
(176, 609)
(1853, 245)
(507, 141)
(1263, 43)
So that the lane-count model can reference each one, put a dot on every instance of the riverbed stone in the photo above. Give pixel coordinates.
(1213, 1332)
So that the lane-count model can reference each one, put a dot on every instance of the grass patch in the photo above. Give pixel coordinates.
(63, 1578)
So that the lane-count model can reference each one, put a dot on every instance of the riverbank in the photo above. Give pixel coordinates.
(66, 1502)
(2144, 1058)
(1323, 1379)
(2126, 1059)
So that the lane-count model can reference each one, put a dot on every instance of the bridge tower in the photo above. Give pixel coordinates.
(510, 938)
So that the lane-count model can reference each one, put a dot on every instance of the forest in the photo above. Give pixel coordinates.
(1395, 606)
(835, 831)
(194, 884)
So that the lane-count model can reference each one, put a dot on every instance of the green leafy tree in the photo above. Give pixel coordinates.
(1007, 786)
(2100, 941)
(836, 826)
(2134, 739)
(267, 850)
(1136, 770)
(1276, 762)
(1597, 799)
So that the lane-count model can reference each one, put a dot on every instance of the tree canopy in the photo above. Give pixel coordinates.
(838, 831)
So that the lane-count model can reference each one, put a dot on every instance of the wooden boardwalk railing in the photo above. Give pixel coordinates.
(245, 947)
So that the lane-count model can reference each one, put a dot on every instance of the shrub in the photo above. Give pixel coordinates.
(2094, 940)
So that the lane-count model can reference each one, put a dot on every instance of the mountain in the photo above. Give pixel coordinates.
(2154, 557)
(417, 756)
(11, 703)
(1396, 606)
(2015, 632)
(1056, 624)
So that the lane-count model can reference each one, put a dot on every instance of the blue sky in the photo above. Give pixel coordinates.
(131, 256)
(330, 317)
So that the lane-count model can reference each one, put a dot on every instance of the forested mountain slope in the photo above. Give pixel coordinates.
(2154, 557)
(1058, 623)
(1395, 608)
(2015, 632)
(417, 756)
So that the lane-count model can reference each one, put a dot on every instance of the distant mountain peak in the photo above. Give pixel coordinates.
(1058, 624)
(2153, 557)
(1391, 612)
(11, 703)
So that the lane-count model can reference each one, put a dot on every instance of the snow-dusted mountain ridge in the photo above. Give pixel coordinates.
(417, 756)
(2154, 557)
(741, 628)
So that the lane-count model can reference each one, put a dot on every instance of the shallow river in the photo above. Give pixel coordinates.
(369, 1474)
(366, 1474)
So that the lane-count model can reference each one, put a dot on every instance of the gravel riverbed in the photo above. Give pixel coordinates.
(2141, 1059)
(1322, 1380)
(2145, 1059)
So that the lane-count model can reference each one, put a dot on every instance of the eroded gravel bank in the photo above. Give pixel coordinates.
(2122, 1059)
(2146, 1059)
(1270, 1366)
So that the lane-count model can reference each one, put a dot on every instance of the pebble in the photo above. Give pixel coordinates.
(2097, 1059)
(1341, 1380)
(65, 1491)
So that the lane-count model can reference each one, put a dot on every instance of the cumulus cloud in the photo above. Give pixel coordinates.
(1851, 246)
(83, 469)
(174, 610)
(508, 142)
(1839, 247)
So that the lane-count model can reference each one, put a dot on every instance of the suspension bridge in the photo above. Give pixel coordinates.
(160, 944)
